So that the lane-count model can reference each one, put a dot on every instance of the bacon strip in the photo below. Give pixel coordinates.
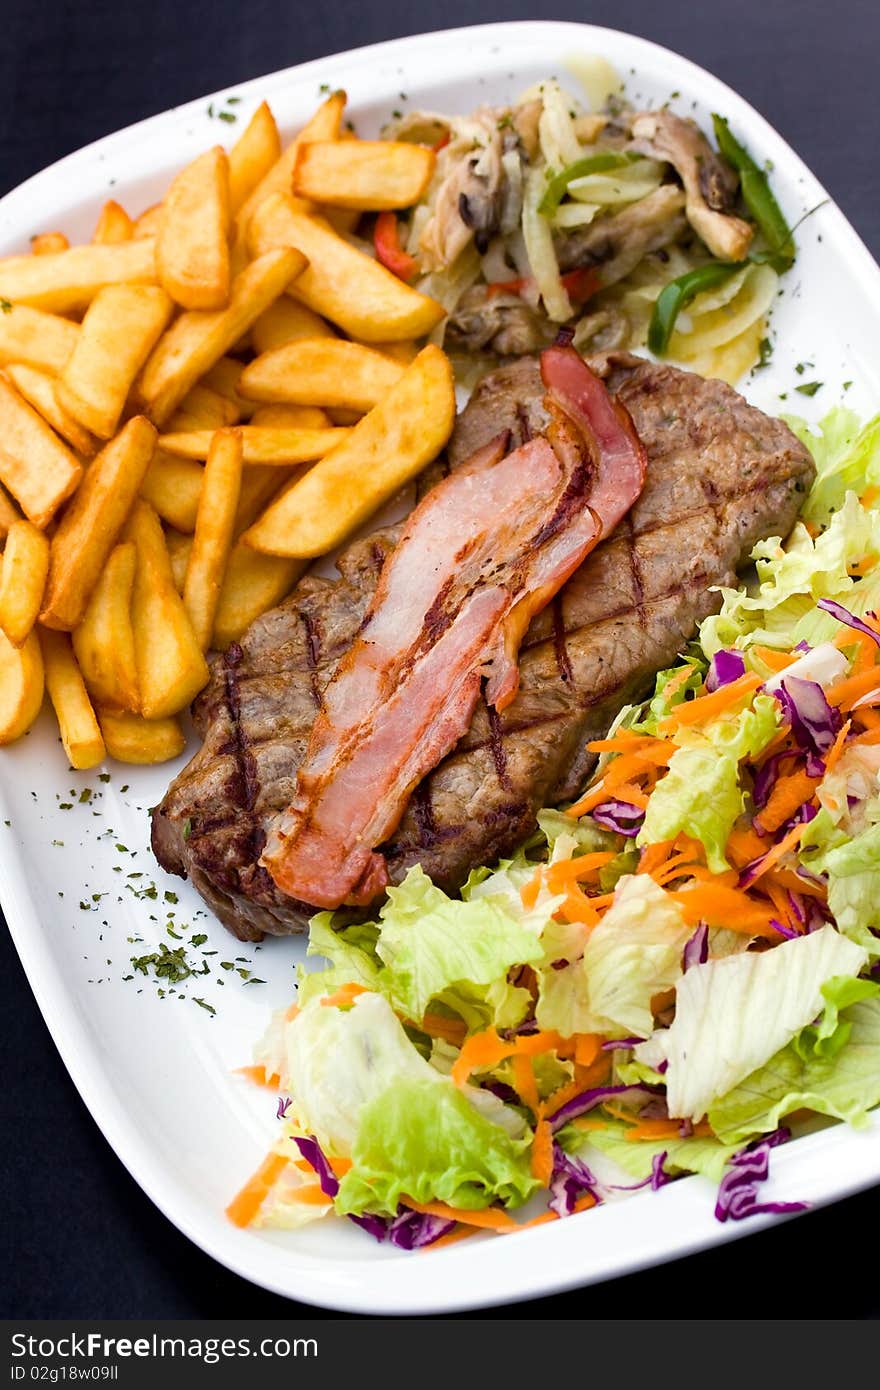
(487, 548)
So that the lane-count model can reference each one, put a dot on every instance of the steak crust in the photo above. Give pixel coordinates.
(721, 476)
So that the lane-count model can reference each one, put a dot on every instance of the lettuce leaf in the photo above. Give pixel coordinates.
(732, 1015)
(351, 953)
(847, 459)
(792, 577)
(433, 945)
(423, 1140)
(693, 1155)
(844, 1086)
(852, 867)
(701, 794)
(634, 953)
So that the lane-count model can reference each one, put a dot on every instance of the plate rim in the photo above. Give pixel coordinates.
(402, 1290)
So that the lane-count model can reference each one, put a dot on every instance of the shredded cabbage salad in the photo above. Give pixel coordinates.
(673, 976)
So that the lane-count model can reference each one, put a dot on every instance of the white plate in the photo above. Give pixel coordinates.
(157, 1077)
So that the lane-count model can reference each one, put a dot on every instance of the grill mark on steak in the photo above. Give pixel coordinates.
(721, 476)
(247, 780)
(313, 648)
(563, 665)
(499, 757)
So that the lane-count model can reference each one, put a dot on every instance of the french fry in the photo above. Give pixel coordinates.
(9, 514)
(325, 124)
(286, 321)
(252, 156)
(21, 686)
(252, 584)
(131, 739)
(192, 246)
(37, 468)
(179, 547)
(259, 484)
(370, 175)
(204, 409)
(35, 339)
(321, 371)
(120, 329)
(223, 378)
(40, 390)
(344, 418)
(212, 540)
(199, 338)
(46, 242)
(91, 524)
(173, 486)
(171, 669)
(77, 724)
(114, 224)
(292, 417)
(386, 449)
(340, 282)
(405, 351)
(148, 224)
(104, 640)
(276, 446)
(23, 579)
(69, 280)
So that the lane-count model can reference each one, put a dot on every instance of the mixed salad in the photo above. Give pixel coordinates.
(677, 973)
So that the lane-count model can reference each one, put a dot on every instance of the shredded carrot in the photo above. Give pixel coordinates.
(780, 902)
(872, 736)
(871, 495)
(459, 1233)
(777, 661)
(788, 796)
(863, 566)
(576, 908)
(787, 878)
(524, 1082)
(452, 1030)
(340, 1166)
(869, 718)
(313, 1195)
(584, 866)
(303, 1165)
(291, 1013)
(673, 868)
(708, 706)
(542, 1152)
(585, 1079)
(743, 845)
(529, 891)
(344, 996)
(258, 1076)
(643, 1131)
(487, 1219)
(587, 1122)
(486, 1049)
(789, 840)
(610, 786)
(653, 856)
(625, 741)
(836, 748)
(866, 648)
(845, 693)
(724, 907)
(243, 1209)
(587, 1047)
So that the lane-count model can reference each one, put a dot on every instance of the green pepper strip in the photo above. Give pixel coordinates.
(674, 296)
(590, 164)
(757, 197)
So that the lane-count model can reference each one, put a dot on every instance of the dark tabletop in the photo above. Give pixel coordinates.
(79, 1239)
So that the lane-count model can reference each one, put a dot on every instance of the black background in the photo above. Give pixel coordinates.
(79, 1239)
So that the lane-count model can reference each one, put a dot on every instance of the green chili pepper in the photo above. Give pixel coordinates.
(678, 293)
(758, 198)
(590, 164)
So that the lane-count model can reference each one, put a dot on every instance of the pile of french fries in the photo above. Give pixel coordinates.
(194, 406)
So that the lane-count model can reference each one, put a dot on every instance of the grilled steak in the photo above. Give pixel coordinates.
(721, 475)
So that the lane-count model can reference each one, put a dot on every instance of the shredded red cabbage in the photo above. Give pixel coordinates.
(767, 775)
(738, 1191)
(784, 930)
(571, 1179)
(588, 1100)
(657, 1178)
(814, 723)
(283, 1107)
(843, 615)
(726, 665)
(621, 1042)
(696, 952)
(409, 1230)
(620, 816)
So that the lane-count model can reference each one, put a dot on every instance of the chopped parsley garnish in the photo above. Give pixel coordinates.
(209, 1008)
(166, 964)
(229, 116)
(809, 388)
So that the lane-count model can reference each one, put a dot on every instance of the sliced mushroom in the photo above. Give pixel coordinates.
(710, 184)
(616, 242)
(469, 199)
(497, 322)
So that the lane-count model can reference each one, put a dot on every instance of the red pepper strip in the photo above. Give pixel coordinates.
(388, 249)
(442, 142)
(579, 285)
